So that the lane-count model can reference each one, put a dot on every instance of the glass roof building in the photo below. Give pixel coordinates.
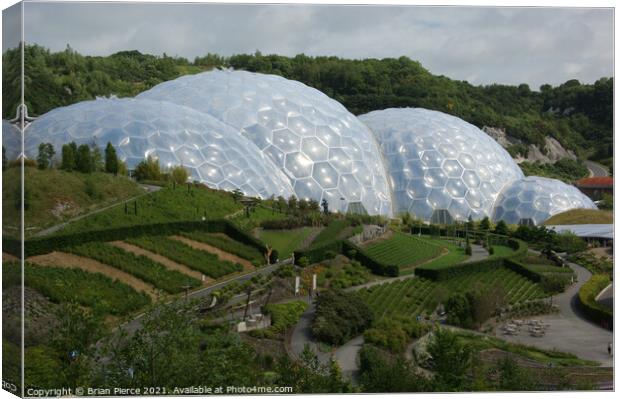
(323, 149)
(11, 140)
(213, 152)
(532, 200)
(441, 168)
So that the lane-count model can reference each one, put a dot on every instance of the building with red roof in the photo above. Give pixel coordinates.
(595, 187)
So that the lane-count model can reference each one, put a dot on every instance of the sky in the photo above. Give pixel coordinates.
(477, 44)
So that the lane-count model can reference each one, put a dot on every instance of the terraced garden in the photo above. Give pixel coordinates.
(139, 266)
(405, 250)
(202, 261)
(93, 290)
(225, 243)
(415, 296)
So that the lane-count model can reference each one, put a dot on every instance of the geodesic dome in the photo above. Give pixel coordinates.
(532, 200)
(211, 151)
(323, 149)
(441, 168)
(11, 140)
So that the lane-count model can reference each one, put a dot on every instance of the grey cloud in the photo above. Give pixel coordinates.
(482, 45)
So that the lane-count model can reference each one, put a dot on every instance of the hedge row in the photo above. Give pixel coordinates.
(43, 245)
(318, 253)
(587, 301)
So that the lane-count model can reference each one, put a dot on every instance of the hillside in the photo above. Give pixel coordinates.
(53, 196)
(579, 116)
(582, 216)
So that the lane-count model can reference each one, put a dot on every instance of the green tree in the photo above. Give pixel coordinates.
(111, 160)
(148, 169)
(179, 174)
(69, 154)
(501, 228)
(451, 361)
(83, 159)
(97, 160)
(512, 377)
(45, 155)
(237, 194)
(485, 224)
(292, 204)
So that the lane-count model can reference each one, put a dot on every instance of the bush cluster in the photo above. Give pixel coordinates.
(587, 301)
(395, 333)
(339, 316)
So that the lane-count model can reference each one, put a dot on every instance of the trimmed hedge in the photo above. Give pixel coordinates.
(43, 245)
(587, 301)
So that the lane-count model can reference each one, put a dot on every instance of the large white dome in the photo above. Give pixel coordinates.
(212, 151)
(323, 149)
(11, 140)
(532, 200)
(440, 166)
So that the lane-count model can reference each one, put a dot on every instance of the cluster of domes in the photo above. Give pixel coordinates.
(267, 135)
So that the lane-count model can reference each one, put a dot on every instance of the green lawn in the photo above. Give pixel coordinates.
(405, 250)
(166, 205)
(259, 215)
(414, 296)
(285, 241)
(502, 251)
(331, 232)
(582, 216)
(53, 196)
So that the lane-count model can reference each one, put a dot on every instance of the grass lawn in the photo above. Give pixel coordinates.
(455, 256)
(53, 196)
(414, 296)
(501, 251)
(331, 232)
(166, 205)
(582, 216)
(259, 215)
(557, 358)
(285, 241)
(405, 250)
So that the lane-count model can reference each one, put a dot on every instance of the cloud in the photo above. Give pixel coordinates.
(481, 45)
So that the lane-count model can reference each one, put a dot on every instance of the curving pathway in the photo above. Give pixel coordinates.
(568, 330)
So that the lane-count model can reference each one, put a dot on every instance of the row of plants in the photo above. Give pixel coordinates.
(202, 261)
(43, 245)
(227, 244)
(419, 296)
(404, 250)
(588, 304)
(140, 266)
(61, 285)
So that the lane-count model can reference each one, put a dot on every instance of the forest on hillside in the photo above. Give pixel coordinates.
(578, 115)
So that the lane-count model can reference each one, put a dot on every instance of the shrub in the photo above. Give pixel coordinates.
(468, 250)
(283, 316)
(491, 250)
(339, 317)
(394, 333)
(587, 300)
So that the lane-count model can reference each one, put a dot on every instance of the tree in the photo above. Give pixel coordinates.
(97, 159)
(45, 155)
(325, 206)
(148, 169)
(485, 224)
(313, 205)
(111, 160)
(512, 377)
(83, 160)
(470, 224)
(451, 361)
(501, 228)
(302, 205)
(179, 175)
(69, 153)
(292, 204)
(280, 203)
(237, 194)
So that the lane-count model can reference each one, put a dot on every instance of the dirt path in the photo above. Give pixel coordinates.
(9, 258)
(170, 264)
(247, 265)
(62, 259)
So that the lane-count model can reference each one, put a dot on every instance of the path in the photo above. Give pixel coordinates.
(596, 169)
(149, 189)
(478, 253)
(134, 324)
(568, 331)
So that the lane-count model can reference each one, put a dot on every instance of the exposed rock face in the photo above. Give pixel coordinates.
(553, 148)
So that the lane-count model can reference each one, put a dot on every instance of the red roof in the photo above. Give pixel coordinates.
(596, 182)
